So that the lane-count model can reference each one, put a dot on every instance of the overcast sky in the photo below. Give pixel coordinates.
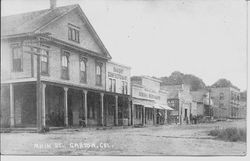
(206, 38)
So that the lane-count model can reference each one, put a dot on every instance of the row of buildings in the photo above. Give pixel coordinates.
(56, 72)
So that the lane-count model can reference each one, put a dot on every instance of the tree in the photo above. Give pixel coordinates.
(177, 78)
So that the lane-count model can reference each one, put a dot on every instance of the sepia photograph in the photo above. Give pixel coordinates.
(124, 78)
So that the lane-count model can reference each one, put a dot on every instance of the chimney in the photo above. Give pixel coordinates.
(52, 4)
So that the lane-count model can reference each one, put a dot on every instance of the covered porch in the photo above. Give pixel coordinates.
(61, 106)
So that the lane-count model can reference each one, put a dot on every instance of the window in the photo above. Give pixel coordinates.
(44, 61)
(73, 34)
(124, 87)
(83, 70)
(221, 105)
(221, 96)
(238, 97)
(17, 59)
(65, 65)
(232, 95)
(99, 74)
(112, 85)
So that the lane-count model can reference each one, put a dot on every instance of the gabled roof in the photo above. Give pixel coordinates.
(32, 22)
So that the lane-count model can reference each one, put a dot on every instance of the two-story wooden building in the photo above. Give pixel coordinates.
(149, 101)
(70, 88)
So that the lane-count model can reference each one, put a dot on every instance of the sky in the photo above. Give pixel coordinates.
(206, 38)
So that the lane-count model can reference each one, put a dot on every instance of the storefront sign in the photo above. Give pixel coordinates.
(145, 94)
(117, 74)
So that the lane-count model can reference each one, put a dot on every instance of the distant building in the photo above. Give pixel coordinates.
(180, 99)
(243, 105)
(228, 100)
(149, 101)
(204, 105)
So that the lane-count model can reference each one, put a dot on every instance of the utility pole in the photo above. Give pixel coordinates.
(38, 54)
(38, 95)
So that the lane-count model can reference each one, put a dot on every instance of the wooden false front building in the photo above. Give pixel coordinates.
(149, 101)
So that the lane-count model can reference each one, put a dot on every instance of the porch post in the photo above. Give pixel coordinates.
(129, 111)
(133, 114)
(101, 99)
(143, 115)
(154, 116)
(66, 106)
(116, 110)
(43, 105)
(12, 113)
(85, 107)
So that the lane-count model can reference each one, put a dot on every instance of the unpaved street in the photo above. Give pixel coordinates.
(161, 140)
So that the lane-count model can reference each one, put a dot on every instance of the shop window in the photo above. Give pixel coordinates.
(111, 110)
(17, 59)
(73, 34)
(99, 74)
(91, 112)
(138, 113)
(65, 65)
(45, 61)
(83, 70)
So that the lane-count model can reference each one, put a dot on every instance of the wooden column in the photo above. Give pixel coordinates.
(85, 107)
(43, 106)
(143, 116)
(155, 117)
(101, 101)
(66, 106)
(116, 110)
(154, 121)
(133, 114)
(129, 111)
(12, 109)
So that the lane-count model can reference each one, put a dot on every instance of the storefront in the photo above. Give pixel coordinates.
(149, 102)
(118, 101)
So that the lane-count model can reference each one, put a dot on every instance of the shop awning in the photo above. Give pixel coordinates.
(143, 103)
(158, 107)
(163, 107)
(166, 107)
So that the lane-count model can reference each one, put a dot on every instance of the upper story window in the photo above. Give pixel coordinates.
(17, 60)
(99, 74)
(124, 87)
(73, 33)
(45, 60)
(221, 96)
(112, 85)
(83, 70)
(65, 65)
(238, 97)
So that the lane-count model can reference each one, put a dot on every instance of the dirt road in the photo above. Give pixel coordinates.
(161, 140)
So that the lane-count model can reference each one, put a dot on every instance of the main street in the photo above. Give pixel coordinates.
(161, 140)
